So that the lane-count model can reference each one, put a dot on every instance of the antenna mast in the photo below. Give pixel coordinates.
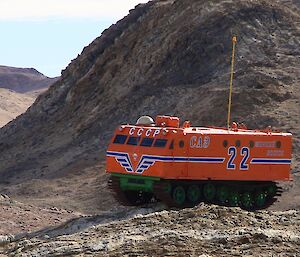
(234, 40)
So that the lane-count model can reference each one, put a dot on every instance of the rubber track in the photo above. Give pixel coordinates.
(161, 194)
(119, 195)
(273, 199)
(164, 196)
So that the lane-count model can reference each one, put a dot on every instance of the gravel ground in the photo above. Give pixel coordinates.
(205, 230)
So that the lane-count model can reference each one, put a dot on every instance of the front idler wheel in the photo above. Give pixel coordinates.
(133, 197)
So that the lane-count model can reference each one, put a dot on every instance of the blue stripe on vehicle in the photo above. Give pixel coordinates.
(149, 159)
(270, 161)
(123, 159)
(115, 154)
(148, 162)
(206, 159)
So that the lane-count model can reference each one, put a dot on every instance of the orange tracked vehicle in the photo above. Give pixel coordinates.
(182, 165)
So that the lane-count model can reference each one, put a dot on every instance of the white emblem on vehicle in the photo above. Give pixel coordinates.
(140, 131)
(199, 142)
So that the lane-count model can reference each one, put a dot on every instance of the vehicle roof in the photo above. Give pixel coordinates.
(207, 130)
(215, 130)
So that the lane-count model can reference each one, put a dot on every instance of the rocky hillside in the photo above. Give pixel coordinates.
(165, 57)
(23, 80)
(201, 231)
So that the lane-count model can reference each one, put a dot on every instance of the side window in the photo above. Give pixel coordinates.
(160, 142)
(172, 145)
(146, 141)
(120, 139)
(133, 140)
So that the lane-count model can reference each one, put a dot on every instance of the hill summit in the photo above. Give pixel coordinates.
(23, 80)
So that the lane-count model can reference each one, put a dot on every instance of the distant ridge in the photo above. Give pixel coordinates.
(19, 88)
(23, 80)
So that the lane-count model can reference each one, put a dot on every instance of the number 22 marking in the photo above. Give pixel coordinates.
(232, 153)
(245, 152)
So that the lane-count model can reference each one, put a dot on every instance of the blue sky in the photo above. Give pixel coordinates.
(48, 34)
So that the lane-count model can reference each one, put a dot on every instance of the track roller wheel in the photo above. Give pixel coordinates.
(247, 200)
(234, 198)
(209, 191)
(193, 194)
(179, 195)
(222, 194)
(260, 199)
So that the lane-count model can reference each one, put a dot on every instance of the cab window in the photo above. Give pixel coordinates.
(120, 139)
(160, 143)
(133, 140)
(146, 141)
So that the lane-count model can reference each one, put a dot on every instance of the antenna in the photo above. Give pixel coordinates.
(234, 40)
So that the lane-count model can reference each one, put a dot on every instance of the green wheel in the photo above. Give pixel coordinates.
(260, 199)
(223, 194)
(179, 195)
(193, 194)
(209, 191)
(234, 198)
(247, 200)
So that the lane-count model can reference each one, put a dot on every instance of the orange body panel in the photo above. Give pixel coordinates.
(200, 153)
